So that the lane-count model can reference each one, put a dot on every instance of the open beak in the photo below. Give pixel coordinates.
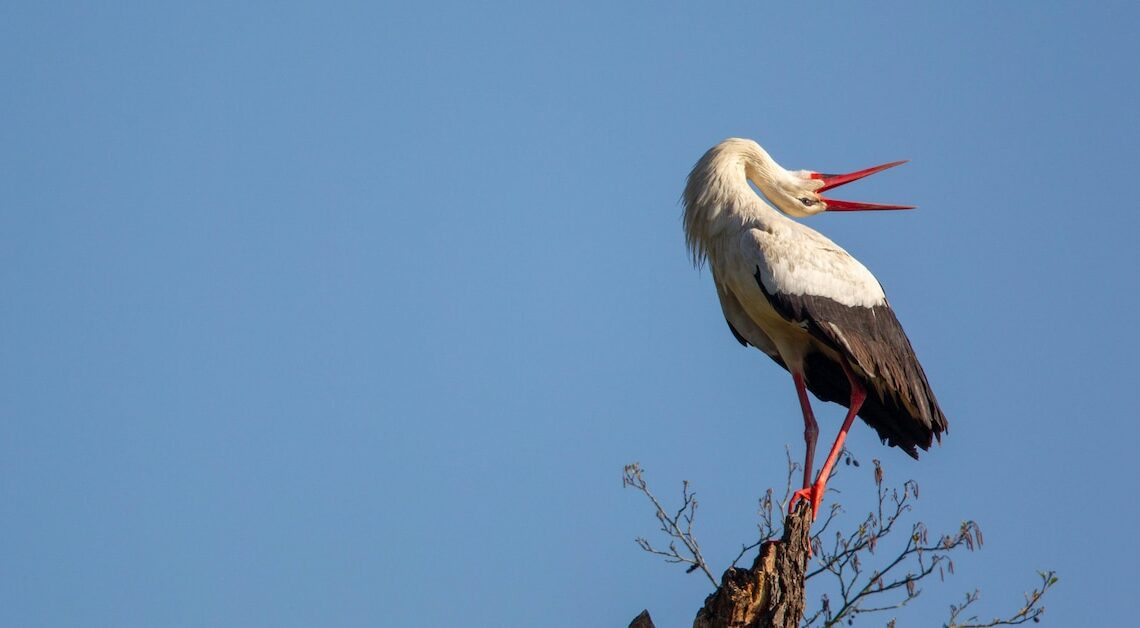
(836, 180)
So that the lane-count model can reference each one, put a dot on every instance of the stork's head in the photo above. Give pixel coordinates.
(798, 192)
(716, 193)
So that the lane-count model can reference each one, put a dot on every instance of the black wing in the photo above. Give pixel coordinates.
(900, 404)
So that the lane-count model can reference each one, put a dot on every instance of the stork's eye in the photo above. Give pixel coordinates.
(808, 202)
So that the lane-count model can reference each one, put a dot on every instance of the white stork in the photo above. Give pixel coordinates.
(798, 297)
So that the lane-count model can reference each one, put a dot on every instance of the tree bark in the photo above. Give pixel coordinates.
(642, 621)
(770, 594)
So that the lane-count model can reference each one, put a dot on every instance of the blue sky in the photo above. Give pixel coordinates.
(351, 313)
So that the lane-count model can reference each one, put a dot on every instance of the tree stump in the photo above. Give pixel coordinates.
(770, 594)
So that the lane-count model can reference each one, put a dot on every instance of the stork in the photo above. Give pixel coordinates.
(805, 302)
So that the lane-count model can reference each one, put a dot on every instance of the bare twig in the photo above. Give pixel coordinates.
(855, 589)
(1031, 611)
(919, 557)
(678, 526)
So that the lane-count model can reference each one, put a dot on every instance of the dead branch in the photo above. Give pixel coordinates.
(771, 592)
(1031, 611)
(677, 526)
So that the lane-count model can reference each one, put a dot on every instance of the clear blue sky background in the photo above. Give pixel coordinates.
(351, 313)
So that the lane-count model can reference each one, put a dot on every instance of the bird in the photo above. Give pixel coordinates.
(809, 305)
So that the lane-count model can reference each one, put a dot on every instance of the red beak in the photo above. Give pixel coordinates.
(836, 180)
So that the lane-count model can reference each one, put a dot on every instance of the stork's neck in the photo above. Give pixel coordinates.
(718, 200)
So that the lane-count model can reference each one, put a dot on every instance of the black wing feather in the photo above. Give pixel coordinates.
(900, 404)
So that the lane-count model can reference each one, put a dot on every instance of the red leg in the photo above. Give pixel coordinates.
(815, 493)
(811, 429)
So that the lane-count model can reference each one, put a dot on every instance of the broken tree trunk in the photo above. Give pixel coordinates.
(770, 594)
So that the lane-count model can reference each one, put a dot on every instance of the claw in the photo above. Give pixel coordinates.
(813, 494)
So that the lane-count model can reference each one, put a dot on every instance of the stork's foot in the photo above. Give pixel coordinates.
(813, 494)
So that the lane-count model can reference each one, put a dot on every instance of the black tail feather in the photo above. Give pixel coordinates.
(895, 425)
